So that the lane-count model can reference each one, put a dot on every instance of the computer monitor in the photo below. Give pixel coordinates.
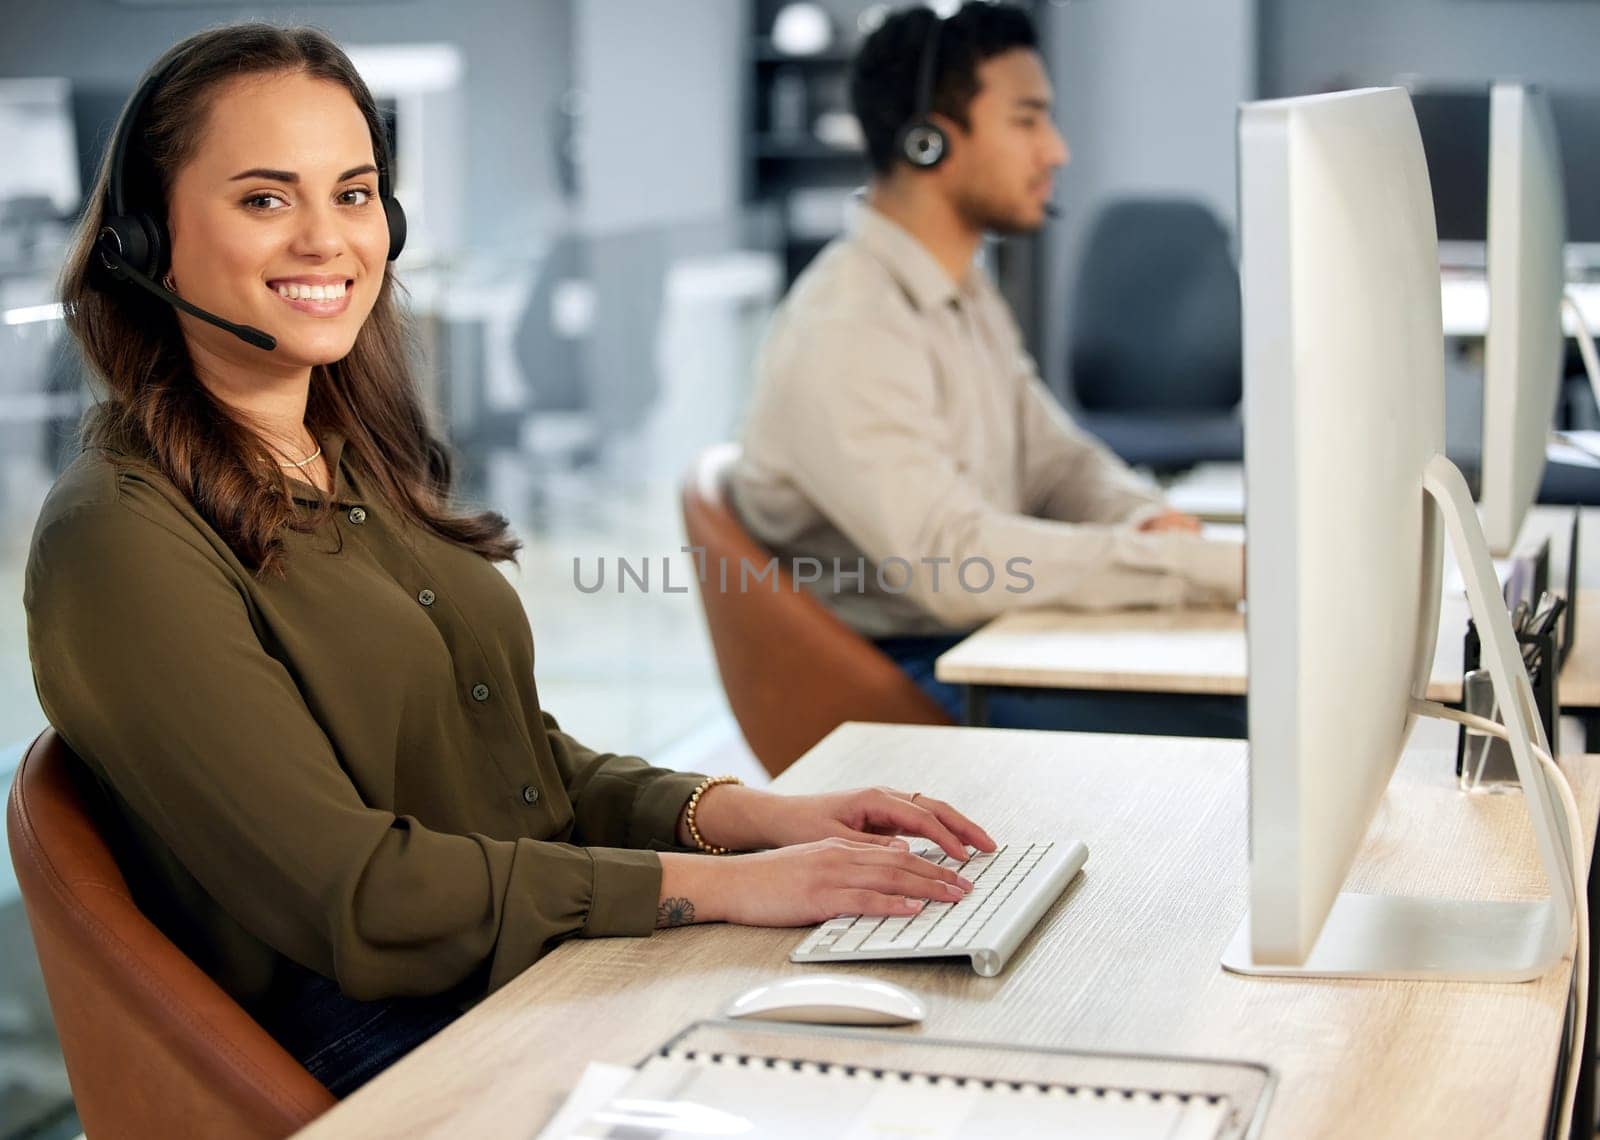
(1454, 122)
(1347, 486)
(95, 111)
(1577, 116)
(1525, 349)
(1454, 119)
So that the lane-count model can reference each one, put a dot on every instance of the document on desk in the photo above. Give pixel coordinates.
(674, 1098)
(794, 1082)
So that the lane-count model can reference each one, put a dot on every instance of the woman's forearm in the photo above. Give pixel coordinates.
(689, 891)
(731, 816)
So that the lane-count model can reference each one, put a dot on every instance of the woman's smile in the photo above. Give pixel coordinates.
(317, 295)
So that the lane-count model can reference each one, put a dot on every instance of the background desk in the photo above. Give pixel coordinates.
(1185, 656)
(1128, 960)
(1464, 303)
(1214, 492)
(1201, 652)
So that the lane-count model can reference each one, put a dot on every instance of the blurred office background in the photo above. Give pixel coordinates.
(608, 197)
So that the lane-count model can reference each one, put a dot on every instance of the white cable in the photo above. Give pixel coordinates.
(1556, 779)
(1591, 363)
(1576, 442)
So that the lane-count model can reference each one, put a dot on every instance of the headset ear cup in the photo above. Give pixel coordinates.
(126, 238)
(397, 226)
(158, 251)
(138, 239)
(924, 144)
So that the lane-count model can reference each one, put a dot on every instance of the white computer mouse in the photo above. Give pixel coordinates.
(830, 999)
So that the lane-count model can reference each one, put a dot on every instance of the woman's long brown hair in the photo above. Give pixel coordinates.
(156, 407)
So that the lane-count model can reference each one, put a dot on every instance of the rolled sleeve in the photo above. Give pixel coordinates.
(619, 801)
(1067, 474)
(594, 892)
(627, 889)
(874, 465)
(1213, 569)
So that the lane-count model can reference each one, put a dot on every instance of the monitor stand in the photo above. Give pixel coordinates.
(1447, 940)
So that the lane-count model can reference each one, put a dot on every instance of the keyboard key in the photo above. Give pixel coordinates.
(897, 934)
(851, 939)
(909, 938)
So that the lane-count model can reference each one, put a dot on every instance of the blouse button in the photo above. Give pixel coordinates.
(480, 692)
(358, 515)
(426, 597)
(530, 794)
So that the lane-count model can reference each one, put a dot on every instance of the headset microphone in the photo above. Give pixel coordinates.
(1052, 210)
(125, 272)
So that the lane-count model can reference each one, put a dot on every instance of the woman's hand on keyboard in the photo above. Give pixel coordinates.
(747, 818)
(811, 882)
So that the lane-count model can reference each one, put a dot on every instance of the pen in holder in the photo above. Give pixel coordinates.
(1484, 763)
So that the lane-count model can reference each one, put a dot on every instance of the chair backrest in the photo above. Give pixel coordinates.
(793, 671)
(154, 1047)
(1156, 321)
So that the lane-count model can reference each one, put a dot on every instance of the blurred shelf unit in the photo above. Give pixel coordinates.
(803, 149)
(766, 52)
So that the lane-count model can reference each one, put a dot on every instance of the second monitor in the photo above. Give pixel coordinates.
(1525, 350)
(1347, 487)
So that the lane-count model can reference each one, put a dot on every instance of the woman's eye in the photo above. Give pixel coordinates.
(357, 196)
(264, 202)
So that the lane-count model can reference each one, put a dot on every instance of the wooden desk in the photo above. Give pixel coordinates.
(1200, 652)
(1127, 960)
(1464, 304)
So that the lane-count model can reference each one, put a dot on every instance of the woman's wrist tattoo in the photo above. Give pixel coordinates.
(674, 912)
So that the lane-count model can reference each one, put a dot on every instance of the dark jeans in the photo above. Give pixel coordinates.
(1155, 714)
(344, 1043)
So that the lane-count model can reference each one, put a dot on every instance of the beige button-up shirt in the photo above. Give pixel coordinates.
(902, 449)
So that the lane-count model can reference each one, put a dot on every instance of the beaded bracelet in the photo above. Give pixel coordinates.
(694, 803)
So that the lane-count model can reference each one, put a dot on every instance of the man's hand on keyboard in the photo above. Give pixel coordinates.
(754, 819)
(811, 882)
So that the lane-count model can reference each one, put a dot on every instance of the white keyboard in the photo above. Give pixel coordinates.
(1012, 887)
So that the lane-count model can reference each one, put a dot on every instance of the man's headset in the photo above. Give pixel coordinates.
(922, 142)
(133, 244)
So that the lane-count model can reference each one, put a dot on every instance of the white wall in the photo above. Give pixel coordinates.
(516, 55)
(1310, 45)
(1148, 91)
(662, 88)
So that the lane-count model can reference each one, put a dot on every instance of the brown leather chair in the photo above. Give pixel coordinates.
(154, 1048)
(792, 671)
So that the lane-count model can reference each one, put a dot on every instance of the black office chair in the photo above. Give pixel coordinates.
(1155, 358)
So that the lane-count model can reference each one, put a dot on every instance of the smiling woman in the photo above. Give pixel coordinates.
(303, 690)
(252, 161)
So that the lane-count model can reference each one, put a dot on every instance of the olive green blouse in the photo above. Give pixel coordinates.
(346, 767)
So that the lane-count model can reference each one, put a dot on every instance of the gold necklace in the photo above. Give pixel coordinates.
(302, 462)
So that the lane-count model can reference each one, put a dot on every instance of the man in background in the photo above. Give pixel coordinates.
(898, 423)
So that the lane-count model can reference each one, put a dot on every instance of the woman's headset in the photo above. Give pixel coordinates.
(133, 244)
